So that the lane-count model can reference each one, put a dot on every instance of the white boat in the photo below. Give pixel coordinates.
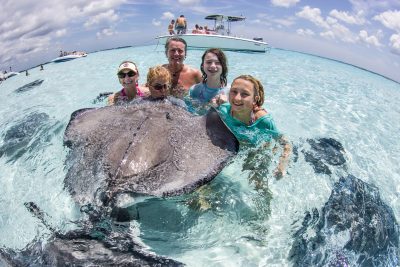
(69, 57)
(7, 75)
(220, 37)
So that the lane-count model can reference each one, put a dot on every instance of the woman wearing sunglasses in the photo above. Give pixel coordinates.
(159, 84)
(128, 76)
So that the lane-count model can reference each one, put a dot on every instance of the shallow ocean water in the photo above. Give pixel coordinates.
(308, 96)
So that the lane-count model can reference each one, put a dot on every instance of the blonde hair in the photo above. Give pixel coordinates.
(258, 88)
(158, 72)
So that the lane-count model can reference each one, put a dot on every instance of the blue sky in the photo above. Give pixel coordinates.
(360, 32)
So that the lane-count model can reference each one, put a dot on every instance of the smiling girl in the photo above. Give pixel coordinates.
(214, 70)
(249, 122)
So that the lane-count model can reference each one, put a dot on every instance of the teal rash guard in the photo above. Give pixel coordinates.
(262, 130)
(203, 93)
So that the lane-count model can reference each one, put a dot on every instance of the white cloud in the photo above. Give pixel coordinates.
(328, 35)
(284, 3)
(100, 6)
(61, 32)
(285, 22)
(357, 19)
(156, 22)
(306, 32)
(313, 15)
(105, 17)
(27, 27)
(105, 33)
(188, 2)
(369, 39)
(333, 29)
(390, 19)
(331, 20)
(395, 43)
(168, 15)
(343, 33)
(374, 6)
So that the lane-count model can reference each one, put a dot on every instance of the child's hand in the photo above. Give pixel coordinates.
(219, 99)
(279, 172)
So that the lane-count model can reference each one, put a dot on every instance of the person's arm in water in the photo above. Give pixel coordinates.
(280, 170)
(111, 100)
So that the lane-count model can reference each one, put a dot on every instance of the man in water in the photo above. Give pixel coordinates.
(183, 76)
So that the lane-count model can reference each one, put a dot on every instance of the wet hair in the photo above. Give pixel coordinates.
(222, 59)
(258, 88)
(158, 72)
(176, 39)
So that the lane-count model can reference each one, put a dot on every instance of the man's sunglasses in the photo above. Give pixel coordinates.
(159, 87)
(122, 75)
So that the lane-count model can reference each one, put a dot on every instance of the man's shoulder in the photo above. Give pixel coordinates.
(191, 69)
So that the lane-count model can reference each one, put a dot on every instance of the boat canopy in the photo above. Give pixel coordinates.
(219, 21)
(226, 18)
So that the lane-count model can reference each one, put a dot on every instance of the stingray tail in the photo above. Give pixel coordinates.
(38, 213)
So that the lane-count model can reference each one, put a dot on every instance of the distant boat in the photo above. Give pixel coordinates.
(69, 57)
(220, 37)
(7, 75)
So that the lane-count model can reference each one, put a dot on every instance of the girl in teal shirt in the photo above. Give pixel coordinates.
(248, 121)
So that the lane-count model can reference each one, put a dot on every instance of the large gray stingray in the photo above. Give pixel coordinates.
(98, 242)
(150, 148)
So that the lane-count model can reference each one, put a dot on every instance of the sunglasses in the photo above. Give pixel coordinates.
(159, 87)
(122, 75)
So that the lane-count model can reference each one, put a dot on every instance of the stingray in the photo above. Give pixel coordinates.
(101, 97)
(29, 86)
(149, 148)
(26, 135)
(97, 243)
(355, 227)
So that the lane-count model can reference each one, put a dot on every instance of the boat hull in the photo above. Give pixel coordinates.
(204, 41)
(67, 58)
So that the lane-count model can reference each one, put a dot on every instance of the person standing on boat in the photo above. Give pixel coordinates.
(128, 76)
(171, 27)
(181, 25)
(183, 76)
(214, 68)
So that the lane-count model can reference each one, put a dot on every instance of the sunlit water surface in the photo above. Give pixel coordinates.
(236, 225)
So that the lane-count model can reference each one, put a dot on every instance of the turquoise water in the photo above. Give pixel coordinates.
(308, 96)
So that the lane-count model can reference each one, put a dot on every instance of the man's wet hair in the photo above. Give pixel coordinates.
(176, 39)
